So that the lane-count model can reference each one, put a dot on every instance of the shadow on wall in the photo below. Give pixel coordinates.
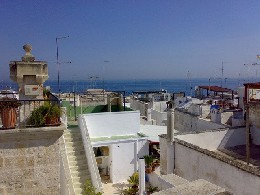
(233, 137)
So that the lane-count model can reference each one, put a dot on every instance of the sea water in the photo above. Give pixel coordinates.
(171, 85)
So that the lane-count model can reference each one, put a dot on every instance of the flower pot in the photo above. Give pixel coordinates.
(148, 169)
(8, 117)
(52, 120)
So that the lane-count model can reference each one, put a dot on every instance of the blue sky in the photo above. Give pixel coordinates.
(134, 39)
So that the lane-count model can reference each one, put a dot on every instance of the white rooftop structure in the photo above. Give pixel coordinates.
(152, 131)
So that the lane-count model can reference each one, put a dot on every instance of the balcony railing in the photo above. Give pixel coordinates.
(30, 113)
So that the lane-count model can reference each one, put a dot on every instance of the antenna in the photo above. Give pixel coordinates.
(188, 76)
(222, 72)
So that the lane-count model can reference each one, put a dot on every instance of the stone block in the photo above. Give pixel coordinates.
(1, 162)
(29, 161)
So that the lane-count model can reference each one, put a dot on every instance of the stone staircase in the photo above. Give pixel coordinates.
(77, 161)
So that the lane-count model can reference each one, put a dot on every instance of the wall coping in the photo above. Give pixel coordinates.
(227, 159)
(31, 133)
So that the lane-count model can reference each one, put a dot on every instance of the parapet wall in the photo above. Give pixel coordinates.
(192, 162)
(188, 122)
(30, 161)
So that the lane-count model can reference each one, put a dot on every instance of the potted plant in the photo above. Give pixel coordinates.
(151, 190)
(156, 163)
(148, 163)
(46, 114)
(53, 114)
(8, 107)
(89, 189)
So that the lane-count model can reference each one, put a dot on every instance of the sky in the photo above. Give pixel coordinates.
(134, 39)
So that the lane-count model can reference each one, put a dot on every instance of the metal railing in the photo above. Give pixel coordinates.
(17, 113)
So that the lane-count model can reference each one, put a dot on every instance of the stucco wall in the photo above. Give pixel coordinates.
(159, 117)
(254, 117)
(213, 140)
(124, 156)
(112, 123)
(163, 154)
(192, 165)
(139, 105)
(188, 122)
(160, 106)
(30, 161)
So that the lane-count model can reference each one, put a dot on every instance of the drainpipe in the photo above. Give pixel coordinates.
(141, 176)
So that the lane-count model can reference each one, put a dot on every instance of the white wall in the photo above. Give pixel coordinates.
(163, 154)
(193, 165)
(136, 104)
(160, 106)
(124, 158)
(159, 117)
(108, 124)
(216, 139)
(188, 122)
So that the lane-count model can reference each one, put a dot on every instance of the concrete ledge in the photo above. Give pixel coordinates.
(227, 159)
(31, 133)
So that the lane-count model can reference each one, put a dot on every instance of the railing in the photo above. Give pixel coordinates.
(18, 113)
(92, 163)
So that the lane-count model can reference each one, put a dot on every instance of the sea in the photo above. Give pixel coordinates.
(171, 85)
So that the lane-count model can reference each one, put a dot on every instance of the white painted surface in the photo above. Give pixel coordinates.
(188, 122)
(163, 155)
(216, 139)
(124, 159)
(141, 165)
(193, 165)
(136, 104)
(89, 152)
(160, 106)
(109, 124)
(159, 117)
(153, 131)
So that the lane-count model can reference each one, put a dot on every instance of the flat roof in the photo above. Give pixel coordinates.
(152, 91)
(117, 137)
(215, 88)
(153, 131)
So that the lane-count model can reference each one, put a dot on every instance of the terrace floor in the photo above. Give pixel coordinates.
(239, 152)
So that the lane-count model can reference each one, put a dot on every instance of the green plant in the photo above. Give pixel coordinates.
(134, 179)
(9, 103)
(148, 160)
(53, 110)
(130, 191)
(152, 189)
(45, 114)
(37, 117)
(46, 93)
(89, 189)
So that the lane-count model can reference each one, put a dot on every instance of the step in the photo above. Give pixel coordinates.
(78, 162)
(77, 158)
(73, 139)
(78, 184)
(78, 191)
(79, 168)
(78, 134)
(76, 152)
(81, 179)
(74, 144)
(79, 173)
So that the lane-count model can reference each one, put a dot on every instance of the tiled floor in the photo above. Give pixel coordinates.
(110, 188)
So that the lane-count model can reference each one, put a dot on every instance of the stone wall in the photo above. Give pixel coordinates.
(30, 161)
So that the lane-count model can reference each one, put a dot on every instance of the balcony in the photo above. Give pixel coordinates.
(19, 113)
